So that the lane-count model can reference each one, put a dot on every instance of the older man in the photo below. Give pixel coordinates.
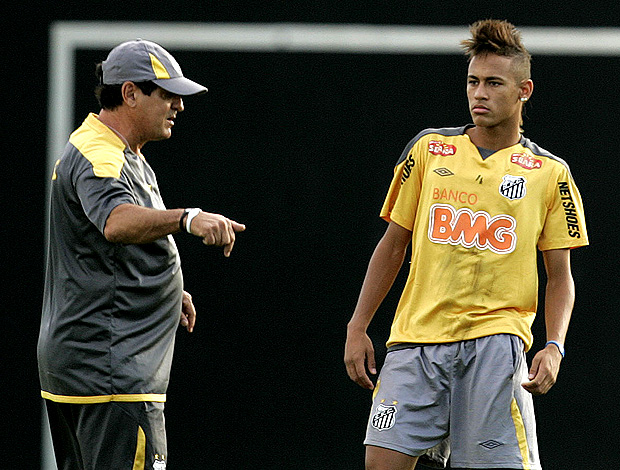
(114, 288)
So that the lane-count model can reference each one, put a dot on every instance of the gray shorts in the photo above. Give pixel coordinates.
(460, 399)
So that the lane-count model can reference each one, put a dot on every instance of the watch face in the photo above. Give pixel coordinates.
(190, 216)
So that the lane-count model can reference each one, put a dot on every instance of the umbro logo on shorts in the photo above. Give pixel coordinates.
(491, 444)
(384, 417)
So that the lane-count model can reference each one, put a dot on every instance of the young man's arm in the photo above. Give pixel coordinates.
(383, 268)
(133, 224)
(559, 300)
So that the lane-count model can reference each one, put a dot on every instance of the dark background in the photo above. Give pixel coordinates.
(300, 147)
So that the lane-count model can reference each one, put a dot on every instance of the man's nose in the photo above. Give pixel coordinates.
(480, 92)
(178, 104)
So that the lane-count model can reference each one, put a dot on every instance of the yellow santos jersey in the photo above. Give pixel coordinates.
(476, 225)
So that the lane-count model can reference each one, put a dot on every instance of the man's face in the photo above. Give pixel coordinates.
(493, 92)
(156, 114)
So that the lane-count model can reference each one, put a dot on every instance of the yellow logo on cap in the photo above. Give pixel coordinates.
(158, 67)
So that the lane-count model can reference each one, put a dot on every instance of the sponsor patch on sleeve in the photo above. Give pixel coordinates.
(570, 210)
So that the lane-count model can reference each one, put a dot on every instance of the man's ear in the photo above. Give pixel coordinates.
(129, 91)
(527, 88)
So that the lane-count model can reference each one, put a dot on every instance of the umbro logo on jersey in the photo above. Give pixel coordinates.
(443, 172)
(384, 417)
(437, 147)
(513, 187)
(526, 161)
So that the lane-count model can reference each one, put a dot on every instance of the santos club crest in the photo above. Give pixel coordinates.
(513, 187)
(159, 464)
(384, 417)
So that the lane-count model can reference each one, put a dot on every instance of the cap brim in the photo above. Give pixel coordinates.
(180, 86)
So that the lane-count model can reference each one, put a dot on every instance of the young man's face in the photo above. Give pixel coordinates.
(493, 92)
(157, 113)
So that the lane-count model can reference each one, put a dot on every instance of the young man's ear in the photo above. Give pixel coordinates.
(527, 88)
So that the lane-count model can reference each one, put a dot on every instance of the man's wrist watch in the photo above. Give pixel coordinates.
(182, 219)
(191, 213)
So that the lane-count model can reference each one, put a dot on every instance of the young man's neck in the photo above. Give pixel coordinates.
(492, 138)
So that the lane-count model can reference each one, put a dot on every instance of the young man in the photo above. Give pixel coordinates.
(113, 289)
(475, 202)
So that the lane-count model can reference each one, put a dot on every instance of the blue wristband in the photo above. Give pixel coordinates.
(559, 346)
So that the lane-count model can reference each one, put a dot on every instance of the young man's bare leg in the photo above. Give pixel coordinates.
(379, 458)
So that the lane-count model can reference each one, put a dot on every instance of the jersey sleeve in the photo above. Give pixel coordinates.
(98, 195)
(401, 203)
(565, 225)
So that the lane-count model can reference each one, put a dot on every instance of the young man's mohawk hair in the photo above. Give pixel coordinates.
(496, 37)
(501, 38)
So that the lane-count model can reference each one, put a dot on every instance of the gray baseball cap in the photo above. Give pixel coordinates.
(141, 61)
